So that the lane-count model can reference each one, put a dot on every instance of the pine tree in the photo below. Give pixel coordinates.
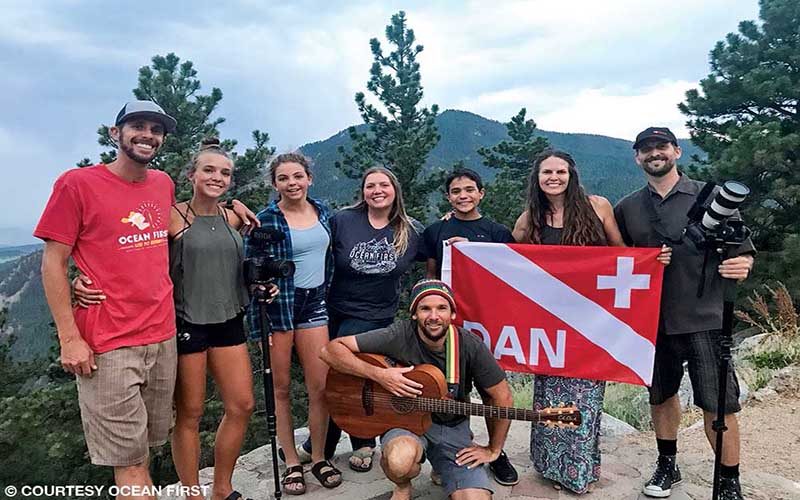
(250, 184)
(506, 194)
(401, 138)
(175, 87)
(747, 118)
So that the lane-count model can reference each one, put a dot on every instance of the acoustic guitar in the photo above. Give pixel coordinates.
(363, 408)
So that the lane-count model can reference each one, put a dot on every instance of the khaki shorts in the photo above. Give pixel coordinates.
(126, 405)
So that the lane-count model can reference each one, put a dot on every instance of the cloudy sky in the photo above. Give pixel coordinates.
(291, 69)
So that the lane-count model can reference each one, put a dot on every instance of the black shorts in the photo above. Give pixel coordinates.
(199, 338)
(701, 351)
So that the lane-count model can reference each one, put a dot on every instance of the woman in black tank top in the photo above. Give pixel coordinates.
(559, 212)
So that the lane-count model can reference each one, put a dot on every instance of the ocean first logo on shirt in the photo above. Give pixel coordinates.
(146, 216)
(373, 257)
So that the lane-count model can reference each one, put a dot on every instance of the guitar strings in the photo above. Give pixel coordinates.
(433, 404)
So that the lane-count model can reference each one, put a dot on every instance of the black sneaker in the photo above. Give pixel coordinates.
(504, 472)
(666, 475)
(729, 489)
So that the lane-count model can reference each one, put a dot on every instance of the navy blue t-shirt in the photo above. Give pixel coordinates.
(367, 271)
(481, 230)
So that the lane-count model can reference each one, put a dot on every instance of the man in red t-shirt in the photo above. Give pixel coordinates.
(113, 221)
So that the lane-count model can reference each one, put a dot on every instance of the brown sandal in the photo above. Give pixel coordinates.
(293, 475)
(324, 471)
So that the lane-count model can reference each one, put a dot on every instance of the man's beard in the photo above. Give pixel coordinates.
(128, 148)
(434, 338)
(658, 172)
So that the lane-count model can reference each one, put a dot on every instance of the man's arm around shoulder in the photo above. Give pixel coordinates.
(339, 354)
(76, 355)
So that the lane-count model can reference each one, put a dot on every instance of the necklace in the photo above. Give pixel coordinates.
(213, 224)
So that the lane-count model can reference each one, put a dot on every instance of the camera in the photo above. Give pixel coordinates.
(710, 226)
(260, 270)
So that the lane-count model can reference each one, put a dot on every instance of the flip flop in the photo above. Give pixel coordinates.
(365, 455)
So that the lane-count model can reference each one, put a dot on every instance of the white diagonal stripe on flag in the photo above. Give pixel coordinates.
(584, 315)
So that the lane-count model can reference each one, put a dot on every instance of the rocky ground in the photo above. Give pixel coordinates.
(770, 423)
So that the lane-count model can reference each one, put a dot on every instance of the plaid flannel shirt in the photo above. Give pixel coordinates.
(281, 310)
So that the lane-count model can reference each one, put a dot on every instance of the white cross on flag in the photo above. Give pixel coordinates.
(585, 312)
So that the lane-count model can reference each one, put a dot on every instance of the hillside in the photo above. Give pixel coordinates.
(28, 317)
(8, 253)
(606, 164)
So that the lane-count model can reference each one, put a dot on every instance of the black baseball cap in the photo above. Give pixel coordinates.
(659, 133)
(147, 110)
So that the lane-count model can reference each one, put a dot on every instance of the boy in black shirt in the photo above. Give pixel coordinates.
(465, 191)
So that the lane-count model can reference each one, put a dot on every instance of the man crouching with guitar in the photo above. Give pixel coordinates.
(465, 360)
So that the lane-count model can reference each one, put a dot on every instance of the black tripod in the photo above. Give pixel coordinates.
(269, 388)
(728, 236)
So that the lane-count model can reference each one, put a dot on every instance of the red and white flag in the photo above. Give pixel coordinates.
(584, 312)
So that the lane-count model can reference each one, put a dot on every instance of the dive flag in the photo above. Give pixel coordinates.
(584, 312)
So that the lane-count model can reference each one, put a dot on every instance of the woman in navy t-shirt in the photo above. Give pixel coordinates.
(374, 243)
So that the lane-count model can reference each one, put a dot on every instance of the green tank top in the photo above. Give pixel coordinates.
(206, 270)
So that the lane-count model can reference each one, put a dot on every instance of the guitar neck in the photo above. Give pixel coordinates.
(453, 407)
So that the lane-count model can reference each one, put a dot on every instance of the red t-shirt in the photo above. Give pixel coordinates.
(118, 231)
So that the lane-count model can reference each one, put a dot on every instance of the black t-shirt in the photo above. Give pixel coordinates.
(480, 230)
(401, 342)
(367, 271)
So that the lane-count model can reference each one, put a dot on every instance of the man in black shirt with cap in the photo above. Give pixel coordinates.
(689, 327)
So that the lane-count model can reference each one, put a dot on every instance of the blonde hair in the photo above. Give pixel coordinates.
(398, 218)
(208, 145)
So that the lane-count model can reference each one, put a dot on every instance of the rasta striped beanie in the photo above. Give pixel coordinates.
(426, 287)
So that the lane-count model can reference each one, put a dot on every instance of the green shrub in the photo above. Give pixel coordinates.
(628, 403)
(779, 323)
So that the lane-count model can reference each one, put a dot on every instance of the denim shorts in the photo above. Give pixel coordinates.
(701, 352)
(310, 308)
(440, 444)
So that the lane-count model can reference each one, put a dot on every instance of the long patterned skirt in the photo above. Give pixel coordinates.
(570, 457)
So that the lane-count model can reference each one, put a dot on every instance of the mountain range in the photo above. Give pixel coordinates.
(605, 164)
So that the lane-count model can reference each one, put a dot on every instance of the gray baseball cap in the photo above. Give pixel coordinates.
(147, 110)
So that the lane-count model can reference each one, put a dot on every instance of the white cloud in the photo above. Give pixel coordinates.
(608, 111)
(292, 68)
(616, 111)
(40, 26)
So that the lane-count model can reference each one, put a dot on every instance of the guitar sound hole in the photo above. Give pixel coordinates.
(402, 405)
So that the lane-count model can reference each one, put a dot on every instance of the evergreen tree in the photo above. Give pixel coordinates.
(401, 138)
(506, 194)
(250, 184)
(175, 87)
(747, 118)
